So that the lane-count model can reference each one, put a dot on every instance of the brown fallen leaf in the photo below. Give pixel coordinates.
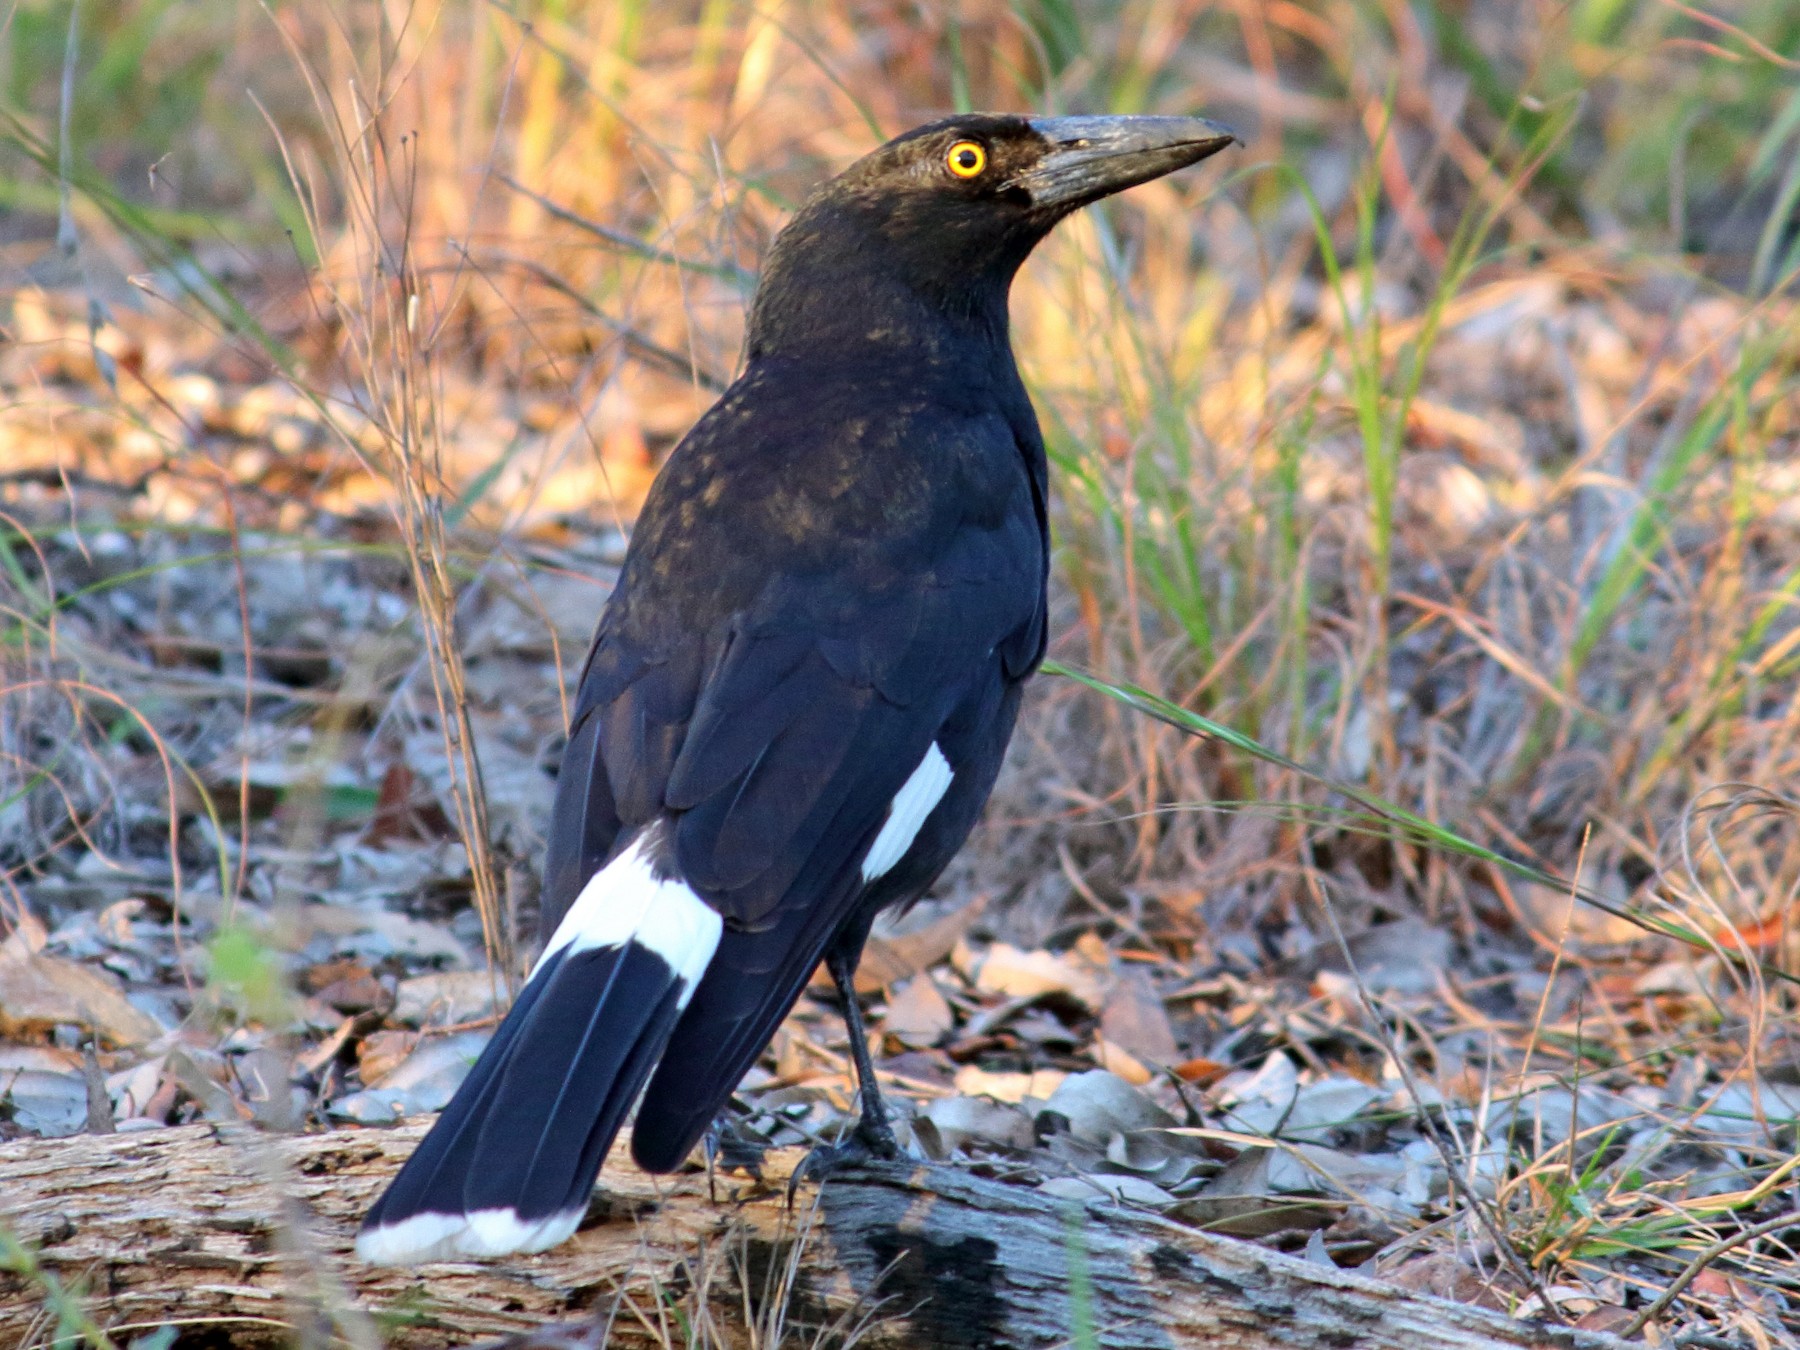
(131, 1089)
(1020, 974)
(406, 809)
(411, 937)
(346, 985)
(39, 993)
(1408, 956)
(379, 1054)
(917, 1014)
(27, 938)
(327, 973)
(1242, 1202)
(114, 922)
(1118, 1060)
(895, 953)
(1608, 1317)
(974, 1081)
(1202, 1073)
(1448, 1275)
(447, 997)
(958, 1121)
(1098, 1104)
(1132, 1019)
(38, 1102)
(315, 1060)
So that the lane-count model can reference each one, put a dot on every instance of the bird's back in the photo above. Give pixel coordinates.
(828, 548)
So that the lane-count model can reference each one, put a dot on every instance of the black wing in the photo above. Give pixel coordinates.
(792, 626)
(772, 710)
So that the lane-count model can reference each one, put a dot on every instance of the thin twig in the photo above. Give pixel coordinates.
(1789, 1220)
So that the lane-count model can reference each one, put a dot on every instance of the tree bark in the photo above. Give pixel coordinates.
(246, 1238)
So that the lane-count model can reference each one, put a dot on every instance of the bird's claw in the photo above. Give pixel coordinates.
(731, 1143)
(870, 1141)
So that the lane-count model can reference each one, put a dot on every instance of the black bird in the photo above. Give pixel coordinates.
(799, 694)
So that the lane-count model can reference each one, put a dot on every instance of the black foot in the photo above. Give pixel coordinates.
(875, 1136)
(870, 1141)
(731, 1143)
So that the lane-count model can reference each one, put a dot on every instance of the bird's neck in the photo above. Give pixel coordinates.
(833, 291)
(852, 314)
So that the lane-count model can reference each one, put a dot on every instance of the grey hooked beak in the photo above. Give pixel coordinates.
(1093, 157)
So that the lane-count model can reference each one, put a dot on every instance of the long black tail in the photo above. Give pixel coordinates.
(509, 1165)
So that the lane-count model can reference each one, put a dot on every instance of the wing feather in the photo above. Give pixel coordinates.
(772, 712)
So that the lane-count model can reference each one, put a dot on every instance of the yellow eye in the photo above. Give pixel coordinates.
(966, 159)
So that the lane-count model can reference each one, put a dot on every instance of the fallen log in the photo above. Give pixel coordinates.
(245, 1238)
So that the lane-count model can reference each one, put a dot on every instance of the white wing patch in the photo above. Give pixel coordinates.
(911, 805)
(626, 901)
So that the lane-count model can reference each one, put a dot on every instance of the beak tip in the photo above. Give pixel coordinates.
(1089, 157)
(1227, 134)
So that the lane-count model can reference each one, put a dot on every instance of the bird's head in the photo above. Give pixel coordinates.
(949, 210)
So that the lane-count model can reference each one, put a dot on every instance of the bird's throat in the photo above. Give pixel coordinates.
(836, 287)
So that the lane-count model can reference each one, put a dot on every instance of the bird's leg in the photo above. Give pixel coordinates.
(872, 1129)
(873, 1136)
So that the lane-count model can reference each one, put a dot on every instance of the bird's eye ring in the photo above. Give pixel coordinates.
(966, 159)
